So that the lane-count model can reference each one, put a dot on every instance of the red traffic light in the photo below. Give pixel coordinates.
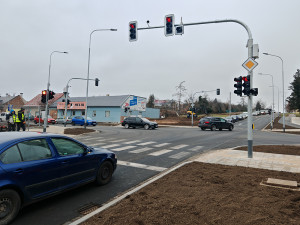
(132, 25)
(169, 19)
(44, 92)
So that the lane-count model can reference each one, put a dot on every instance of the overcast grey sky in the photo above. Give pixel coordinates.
(206, 57)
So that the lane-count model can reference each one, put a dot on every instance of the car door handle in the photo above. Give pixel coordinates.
(19, 171)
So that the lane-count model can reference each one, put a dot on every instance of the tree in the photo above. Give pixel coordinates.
(294, 99)
(258, 106)
(150, 103)
(181, 90)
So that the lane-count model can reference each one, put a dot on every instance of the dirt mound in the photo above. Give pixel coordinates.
(77, 131)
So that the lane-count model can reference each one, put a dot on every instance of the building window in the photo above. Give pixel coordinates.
(83, 113)
(73, 113)
(107, 113)
(94, 113)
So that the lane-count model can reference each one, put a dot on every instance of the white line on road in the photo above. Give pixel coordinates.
(161, 152)
(140, 150)
(161, 145)
(110, 146)
(123, 148)
(179, 146)
(131, 142)
(196, 148)
(116, 141)
(96, 144)
(179, 155)
(141, 166)
(147, 143)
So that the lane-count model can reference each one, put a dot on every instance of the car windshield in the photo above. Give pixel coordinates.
(89, 118)
(145, 120)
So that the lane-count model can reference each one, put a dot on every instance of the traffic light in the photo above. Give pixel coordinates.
(218, 91)
(179, 30)
(238, 85)
(44, 95)
(51, 94)
(169, 25)
(246, 85)
(132, 31)
(68, 101)
(96, 82)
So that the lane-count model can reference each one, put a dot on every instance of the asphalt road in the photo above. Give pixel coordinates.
(142, 154)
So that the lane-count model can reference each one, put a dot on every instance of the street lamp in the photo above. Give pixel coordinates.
(88, 72)
(48, 86)
(283, 102)
(277, 97)
(272, 115)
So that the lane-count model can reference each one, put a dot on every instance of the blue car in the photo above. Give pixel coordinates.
(80, 121)
(37, 165)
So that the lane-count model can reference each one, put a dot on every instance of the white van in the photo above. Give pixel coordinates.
(3, 116)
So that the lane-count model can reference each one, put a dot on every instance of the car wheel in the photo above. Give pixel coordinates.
(220, 129)
(0, 120)
(73, 123)
(202, 128)
(35, 122)
(10, 204)
(126, 126)
(230, 128)
(213, 127)
(104, 173)
(146, 126)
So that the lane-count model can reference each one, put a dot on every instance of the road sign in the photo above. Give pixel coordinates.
(250, 64)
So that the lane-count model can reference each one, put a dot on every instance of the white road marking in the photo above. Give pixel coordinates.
(110, 146)
(116, 141)
(147, 143)
(161, 152)
(196, 148)
(140, 150)
(100, 143)
(179, 146)
(131, 142)
(179, 155)
(162, 144)
(123, 148)
(141, 166)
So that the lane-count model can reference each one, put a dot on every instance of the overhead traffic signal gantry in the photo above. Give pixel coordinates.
(133, 31)
(238, 85)
(44, 96)
(169, 25)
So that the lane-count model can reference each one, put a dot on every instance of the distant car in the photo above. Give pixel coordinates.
(80, 121)
(3, 116)
(135, 122)
(63, 120)
(35, 165)
(50, 120)
(229, 119)
(214, 123)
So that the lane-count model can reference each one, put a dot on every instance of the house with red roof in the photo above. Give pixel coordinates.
(35, 106)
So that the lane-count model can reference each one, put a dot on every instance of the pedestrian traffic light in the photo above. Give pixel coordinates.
(169, 25)
(96, 82)
(246, 85)
(238, 85)
(218, 91)
(133, 31)
(51, 94)
(179, 30)
(44, 96)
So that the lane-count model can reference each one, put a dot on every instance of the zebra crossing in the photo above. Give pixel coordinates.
(151, 148)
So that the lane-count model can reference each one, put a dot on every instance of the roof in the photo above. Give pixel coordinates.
(100, 101)
(5, 99)
(7, 138)
(36, 101)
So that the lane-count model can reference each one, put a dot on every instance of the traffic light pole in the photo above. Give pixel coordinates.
(250, 55)
(66, 96)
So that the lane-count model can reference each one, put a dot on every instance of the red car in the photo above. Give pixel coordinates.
(50, 120)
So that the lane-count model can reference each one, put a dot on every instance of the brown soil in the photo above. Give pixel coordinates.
(277, 149)
(178, 121)
(77, 131)
(200, 193)
(277, 125)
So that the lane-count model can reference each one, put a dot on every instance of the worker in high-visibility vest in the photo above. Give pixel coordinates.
(20, 120)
